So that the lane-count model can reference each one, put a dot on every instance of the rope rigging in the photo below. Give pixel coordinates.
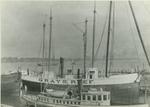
(132, 33)
(139, 33)
(101, 37)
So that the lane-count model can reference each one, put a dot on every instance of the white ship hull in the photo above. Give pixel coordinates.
(125, 83)
(112, 80)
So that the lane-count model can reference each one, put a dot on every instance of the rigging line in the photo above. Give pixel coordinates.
(79, 22)
(139, 33)
(113, 40)
(102, 35)
(132, 33)
(40, 50)
(78, 28)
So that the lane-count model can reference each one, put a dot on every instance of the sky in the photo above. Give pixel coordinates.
(21, 28)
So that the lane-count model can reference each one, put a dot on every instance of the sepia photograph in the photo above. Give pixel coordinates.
(75, 53)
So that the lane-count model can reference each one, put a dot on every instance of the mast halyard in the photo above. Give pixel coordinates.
(108, 39)
(93, 44)
(139, 33)
(85, 46)
(50, 37)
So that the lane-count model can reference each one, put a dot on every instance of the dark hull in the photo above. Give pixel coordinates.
(120, 94)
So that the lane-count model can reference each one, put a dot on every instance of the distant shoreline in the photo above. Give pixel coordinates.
(15, 59)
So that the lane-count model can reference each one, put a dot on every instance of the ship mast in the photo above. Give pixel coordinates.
(108, 39)
(139, 33)
(43, 56)
(85, 44)
(93, 43)
(50, 36)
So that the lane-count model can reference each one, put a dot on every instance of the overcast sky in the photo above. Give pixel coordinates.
(21, 28)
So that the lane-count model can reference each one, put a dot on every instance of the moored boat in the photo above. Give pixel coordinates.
(76, 97)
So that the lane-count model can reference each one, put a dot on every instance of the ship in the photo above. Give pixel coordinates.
(72, 97)
(92, 77)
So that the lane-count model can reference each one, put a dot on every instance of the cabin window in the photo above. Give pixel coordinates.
(105, 97)
(74, 102)
(53, 100)
(71, 102)
(67, 102)
(99, 97)
(60, 101)
(94, 97)
(57, 101)
(108, 96)
(83, 97)
(63, 102)
(78, 103)
(89, 98)
(90, 76)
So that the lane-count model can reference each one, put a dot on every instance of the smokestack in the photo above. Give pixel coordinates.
(61, 66)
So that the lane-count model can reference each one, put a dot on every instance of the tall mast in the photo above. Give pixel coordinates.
(50, 36)
(85, 44)
(107, 52)
(43, 56)
(139, 33)
(93, 44)
(43, 53)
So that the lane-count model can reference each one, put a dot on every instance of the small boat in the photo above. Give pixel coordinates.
(90, 98)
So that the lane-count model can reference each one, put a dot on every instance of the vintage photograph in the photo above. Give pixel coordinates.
(75, 53)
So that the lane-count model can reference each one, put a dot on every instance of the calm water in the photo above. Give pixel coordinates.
(9, 85)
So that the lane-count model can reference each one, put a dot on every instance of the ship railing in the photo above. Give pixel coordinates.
(31, 98)
(45, 99)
